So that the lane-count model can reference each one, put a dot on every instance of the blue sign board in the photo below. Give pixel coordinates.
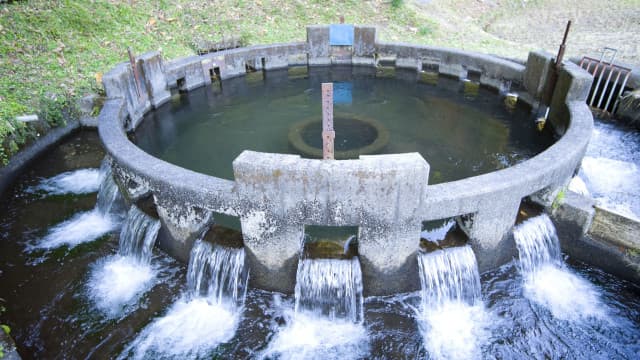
(342, 93)
(341, 35)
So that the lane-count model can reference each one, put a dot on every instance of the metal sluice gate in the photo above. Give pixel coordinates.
(610, 80)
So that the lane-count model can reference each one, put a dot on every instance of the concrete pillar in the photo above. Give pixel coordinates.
(537, 74)
(574, 84)
(181, 225)
(318, 42)
(273, 248)
(453, 70)
(489, 231)
(154, 77)
(388, 256)
(120, 83)
(364, 45)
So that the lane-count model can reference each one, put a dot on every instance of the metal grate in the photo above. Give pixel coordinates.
(610, 80)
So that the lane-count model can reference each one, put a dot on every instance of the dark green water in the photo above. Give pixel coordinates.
(460, 134)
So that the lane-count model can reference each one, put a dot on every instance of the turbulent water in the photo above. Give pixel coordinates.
(138, 235)
(610, 169)
(547, 281)
(117, 281)
(330, 288)
(326, 321)
(90, 225)
(208, 312)
(81, 181)
(452, 317)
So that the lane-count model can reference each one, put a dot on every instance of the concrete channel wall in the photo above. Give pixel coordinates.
(386, 196)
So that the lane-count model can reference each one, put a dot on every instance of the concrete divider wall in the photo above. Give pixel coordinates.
(386, 196)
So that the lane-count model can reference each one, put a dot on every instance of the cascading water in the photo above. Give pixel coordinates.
(217, 273)
(327, 319)
(208, 312)
(452, 318)
(89, 225)
(331, 288)
(537, 243)
(546, 279)
(138, 235)
(81, 181)
(449, 275)
(117, 281)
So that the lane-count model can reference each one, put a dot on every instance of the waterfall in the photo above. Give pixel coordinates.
(217, 273)
(88, 225)
(109, 197)
(330, 288)
(547, 281)
(138, 235)
(80, 181)
(452, 318)
(449, 275)
(207, 314)
(537, 243)
(327, 320)
(117, 282)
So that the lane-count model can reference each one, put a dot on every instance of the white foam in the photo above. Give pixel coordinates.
(82, 181)
(609, 175)
(578, 186)
(190, 329)
(118, 281)
(309, 336)
(565, 294)
(82, 227)
(454, 330)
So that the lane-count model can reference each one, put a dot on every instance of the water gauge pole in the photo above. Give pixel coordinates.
(328, 134)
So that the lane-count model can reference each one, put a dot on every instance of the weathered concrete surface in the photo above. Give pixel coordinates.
(573, 217)
(276, 195)
(181, 225)
(573, 84)
(615, 228)
(154, 78)
(537, 74)
(364, 45)
(489, 231)
(318, 42)
(598, 237)
(455, 63)
(120, 83)
(282, 193)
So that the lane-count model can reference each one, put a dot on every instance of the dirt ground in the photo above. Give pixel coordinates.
(514, 27)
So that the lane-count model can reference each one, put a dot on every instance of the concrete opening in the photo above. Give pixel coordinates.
(330, 242)
(441, 234)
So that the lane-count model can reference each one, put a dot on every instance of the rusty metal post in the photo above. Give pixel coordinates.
(136, 76)
(563, 46)
(328, 134)
(555, 71)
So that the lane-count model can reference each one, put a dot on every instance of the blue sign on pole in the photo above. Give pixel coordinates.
(341, 35)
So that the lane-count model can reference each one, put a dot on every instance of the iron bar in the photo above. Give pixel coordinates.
(563, 46)
(620, 92)
(606, 106)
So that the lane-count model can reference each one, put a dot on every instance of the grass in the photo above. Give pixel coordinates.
(55, 51)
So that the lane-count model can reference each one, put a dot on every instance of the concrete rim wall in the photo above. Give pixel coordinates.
(486, 204)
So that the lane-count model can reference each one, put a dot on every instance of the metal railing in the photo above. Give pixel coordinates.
(605, 68)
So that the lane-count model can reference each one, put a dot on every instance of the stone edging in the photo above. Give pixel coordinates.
(272, 226)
